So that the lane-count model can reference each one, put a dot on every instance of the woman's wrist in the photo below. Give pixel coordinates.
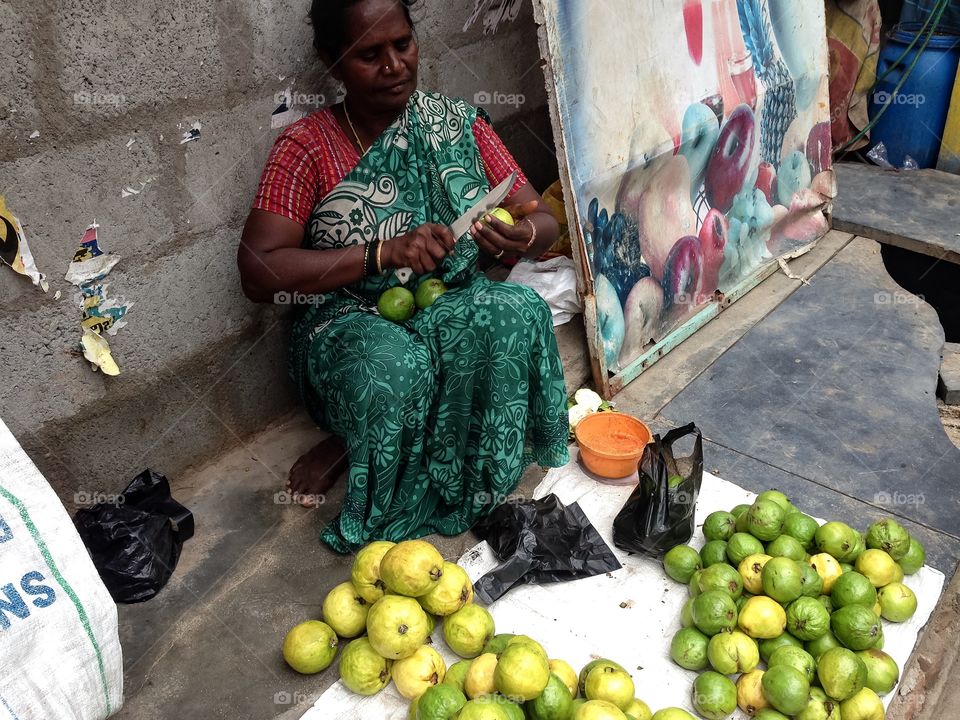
(540, 241)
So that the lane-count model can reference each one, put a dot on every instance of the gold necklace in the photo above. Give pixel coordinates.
(353, 129)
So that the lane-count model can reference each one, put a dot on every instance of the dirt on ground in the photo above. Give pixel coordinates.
(950, 416)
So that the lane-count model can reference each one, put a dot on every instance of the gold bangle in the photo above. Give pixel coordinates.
(379, 265)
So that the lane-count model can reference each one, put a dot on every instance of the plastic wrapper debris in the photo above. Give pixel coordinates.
(14, 250)
(660, 511)
(192, 134)
(554, 280)
(541, 541)
(135, 541)
(878, 156)
(130, 190)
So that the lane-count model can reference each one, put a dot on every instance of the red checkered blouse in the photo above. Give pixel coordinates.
(314, 154)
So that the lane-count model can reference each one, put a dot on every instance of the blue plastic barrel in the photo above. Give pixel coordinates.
(913, 124)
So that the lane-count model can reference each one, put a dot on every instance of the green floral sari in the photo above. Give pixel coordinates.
(440, 414)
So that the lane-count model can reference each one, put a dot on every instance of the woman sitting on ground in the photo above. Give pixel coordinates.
(432, 417)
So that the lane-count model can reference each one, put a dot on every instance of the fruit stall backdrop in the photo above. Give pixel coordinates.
(695, 150)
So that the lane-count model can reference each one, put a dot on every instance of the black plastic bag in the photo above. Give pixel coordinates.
(658, 516)
(135, 542)
(540, 541)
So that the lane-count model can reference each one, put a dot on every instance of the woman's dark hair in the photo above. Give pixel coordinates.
(329, 20)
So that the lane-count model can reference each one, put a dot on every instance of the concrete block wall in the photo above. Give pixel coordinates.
(202, 367)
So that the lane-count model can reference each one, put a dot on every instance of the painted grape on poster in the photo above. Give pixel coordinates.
(696, 136)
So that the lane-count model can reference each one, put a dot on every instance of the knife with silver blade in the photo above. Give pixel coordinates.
(462, 224)
(489, 201)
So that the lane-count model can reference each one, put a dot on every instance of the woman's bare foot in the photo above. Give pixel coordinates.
(316, 471)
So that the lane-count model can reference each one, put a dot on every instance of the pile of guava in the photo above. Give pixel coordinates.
(785, 615)
(398, 594)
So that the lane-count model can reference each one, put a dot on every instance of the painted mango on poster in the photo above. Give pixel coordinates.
(698, 144)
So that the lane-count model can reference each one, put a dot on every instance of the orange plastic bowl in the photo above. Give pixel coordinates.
(611, 443)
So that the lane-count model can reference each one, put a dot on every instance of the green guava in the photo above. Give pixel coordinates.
(800, 526)
(782, 579)
(852, 588)
(889, 535)
(825, 642)
(819, 707)
(714, 611)
(719, 525)
(807, 619)
(742, 544)
(553, 703)
(786, 689)
(680, 562)
(722, 577)
(688, 649)
(812, 582)
(797, 658)
(733, 652)
(765, 520)
(841, 672)
(898, 603)
(786, 546)
(914, 559)
(836, 539)
(768, 647)
(440, 702)
(855, 626)
(714, 695)
(713, 552)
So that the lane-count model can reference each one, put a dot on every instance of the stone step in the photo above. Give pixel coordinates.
(949, 386)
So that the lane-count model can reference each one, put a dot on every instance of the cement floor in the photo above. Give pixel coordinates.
(209, 645)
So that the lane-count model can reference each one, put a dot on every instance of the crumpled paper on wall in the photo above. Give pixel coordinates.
(554, 280)
(97, 350)
(14, 250)
(285, 114)
(100, 312)
(90, 263)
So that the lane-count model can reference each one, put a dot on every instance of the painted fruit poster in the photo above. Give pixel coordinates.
(695, 140)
